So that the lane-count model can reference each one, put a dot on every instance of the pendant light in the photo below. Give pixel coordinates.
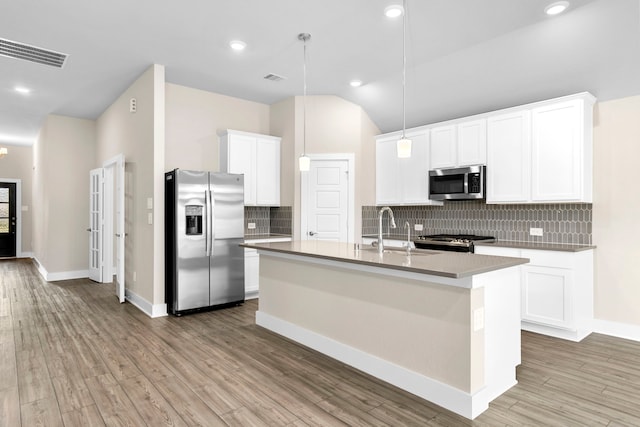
(304, 162)
(403, 145)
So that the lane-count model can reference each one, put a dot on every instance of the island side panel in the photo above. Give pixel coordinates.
(417, 325)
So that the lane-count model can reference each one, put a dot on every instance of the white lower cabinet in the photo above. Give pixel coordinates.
(252, 267)
(556, 290)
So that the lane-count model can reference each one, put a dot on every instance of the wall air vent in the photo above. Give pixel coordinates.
(274, 77)
(17, 50)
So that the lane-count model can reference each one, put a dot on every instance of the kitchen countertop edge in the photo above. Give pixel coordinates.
(485, 264)
(560, 247)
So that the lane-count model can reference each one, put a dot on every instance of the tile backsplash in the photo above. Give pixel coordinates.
(268, 220)
(568, 223)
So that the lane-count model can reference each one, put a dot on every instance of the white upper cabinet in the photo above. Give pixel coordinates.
(403, 181)
(535, 153)
(258, 158)
(509, 158)
(542, 154)
(562, 152)
(472, 143)
(443, 147)
(459, 144)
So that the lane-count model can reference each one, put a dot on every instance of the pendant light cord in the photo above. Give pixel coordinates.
(304, 96)
(304, 37)
(404, 66)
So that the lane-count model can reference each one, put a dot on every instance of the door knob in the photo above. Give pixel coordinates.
(312, 233)
(88, 229)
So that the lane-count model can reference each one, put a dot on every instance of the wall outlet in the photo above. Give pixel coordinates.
(418, 227)
(252, 226)
(535, 231)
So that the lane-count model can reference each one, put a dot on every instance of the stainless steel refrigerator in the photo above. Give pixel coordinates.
(204, 227)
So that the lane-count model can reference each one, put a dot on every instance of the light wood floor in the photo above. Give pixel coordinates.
(71, 355)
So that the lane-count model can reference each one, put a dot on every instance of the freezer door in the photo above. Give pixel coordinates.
(227, 272)
(192, 287)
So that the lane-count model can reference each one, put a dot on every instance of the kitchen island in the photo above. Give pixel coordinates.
(444, 326)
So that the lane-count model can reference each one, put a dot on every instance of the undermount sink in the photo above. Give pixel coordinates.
(400, 251)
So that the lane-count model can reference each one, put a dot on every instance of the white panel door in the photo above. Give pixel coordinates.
(120, 228)
(556, 150)
(472, 143)
(509, 158)
(242, 159)
(443, 147)
(546, 296)
(96, 178)
(387, 173)
(328, 200)
(268, 172)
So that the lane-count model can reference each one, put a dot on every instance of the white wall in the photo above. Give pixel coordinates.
(194, 118)
(334, 125)
(140, 137)
(616, 206)
(18, 165)
(62, 157)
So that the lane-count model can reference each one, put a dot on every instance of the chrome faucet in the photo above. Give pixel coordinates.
(393, 225)
(408, 227)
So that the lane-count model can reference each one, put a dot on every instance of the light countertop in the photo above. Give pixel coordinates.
(437, 263)
(270, 236)
(538, 246)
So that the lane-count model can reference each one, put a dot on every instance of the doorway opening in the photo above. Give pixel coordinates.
(10, 218)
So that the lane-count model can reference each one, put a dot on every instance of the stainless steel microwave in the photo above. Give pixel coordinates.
(465, 183)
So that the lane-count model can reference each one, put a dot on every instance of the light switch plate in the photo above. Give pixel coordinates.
(150, 218)
(535, 231)
(149, 202)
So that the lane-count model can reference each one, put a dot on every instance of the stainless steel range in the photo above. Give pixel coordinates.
(450, 242)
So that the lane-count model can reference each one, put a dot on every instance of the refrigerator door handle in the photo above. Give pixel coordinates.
(206, 224)
(212, 203)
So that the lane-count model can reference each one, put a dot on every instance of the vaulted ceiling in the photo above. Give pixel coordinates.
(463, 56)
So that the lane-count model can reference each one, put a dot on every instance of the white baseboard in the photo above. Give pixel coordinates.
(60, 275)
(465, 404)
(616, 329)
(151, 310)
(26, 255)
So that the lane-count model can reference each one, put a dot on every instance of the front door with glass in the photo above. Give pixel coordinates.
(7, 219)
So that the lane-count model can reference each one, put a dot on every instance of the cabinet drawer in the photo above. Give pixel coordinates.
(549, 258)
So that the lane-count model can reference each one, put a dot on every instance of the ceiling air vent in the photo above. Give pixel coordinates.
(17, 50)
(274, 77)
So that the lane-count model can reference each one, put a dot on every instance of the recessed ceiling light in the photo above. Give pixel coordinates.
(237, 45)
(22, 89)
(556, 8)
(393, 11)
(355, 83)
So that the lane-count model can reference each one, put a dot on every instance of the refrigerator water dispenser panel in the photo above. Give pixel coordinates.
(193, 216)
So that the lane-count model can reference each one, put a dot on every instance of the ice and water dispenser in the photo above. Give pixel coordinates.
(193, 214)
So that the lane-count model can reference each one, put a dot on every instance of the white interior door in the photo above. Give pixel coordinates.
(114, 230)
(327, 201)
(120, 227)
(96, 177)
